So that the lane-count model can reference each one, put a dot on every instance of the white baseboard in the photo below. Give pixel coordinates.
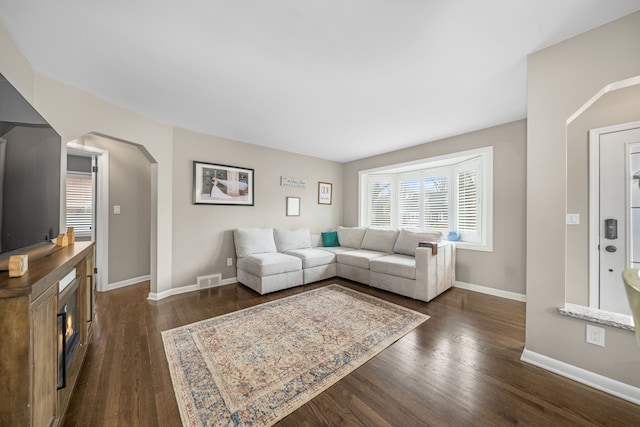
(457, 284)
(597, 381)
(128, 282)
(491, 291)
(184, 289)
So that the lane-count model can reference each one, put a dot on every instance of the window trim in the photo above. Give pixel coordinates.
(485, 156)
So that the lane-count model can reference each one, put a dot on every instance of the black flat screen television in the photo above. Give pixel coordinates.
(30, 151)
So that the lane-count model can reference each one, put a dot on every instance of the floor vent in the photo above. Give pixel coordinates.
(210, 281)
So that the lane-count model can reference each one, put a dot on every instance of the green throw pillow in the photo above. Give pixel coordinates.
(330, 238)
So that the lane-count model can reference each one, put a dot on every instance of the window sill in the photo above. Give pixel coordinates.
(617, 320)
(474, 246)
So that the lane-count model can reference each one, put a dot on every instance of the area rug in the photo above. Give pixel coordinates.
(255, 366)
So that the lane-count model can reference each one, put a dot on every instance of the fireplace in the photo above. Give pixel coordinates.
(68, 330)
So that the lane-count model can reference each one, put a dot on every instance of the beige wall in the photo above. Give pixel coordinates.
(202, 237)
(504, 268)
(130, 188)
(561, 79)
(619, 106)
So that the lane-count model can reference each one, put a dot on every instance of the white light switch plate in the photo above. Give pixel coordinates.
(116, 209)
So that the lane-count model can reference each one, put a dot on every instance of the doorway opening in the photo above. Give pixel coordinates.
(88, 181)
(614, 213)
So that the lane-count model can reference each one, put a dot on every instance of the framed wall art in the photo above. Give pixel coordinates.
(216, 184)
(293, 206)
(325, 191)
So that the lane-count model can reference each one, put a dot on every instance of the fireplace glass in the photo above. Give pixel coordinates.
(68, 334)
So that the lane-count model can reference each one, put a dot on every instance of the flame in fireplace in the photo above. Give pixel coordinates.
(70, 330)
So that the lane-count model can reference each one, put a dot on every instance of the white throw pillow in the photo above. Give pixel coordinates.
(407, 241)
(289, 239)
(351, 237)
(380, 240)
(251, 241)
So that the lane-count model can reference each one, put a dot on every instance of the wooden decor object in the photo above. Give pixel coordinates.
(62, 241)
(18, 265)
(432, 245)
(71, 235)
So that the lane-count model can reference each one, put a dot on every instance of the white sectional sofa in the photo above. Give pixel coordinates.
(274, 259)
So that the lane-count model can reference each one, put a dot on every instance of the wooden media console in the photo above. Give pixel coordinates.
(35, 317)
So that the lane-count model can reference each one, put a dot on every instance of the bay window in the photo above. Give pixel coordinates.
(445, 193)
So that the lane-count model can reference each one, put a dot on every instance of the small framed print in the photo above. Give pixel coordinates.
(293, 206)
(324, 193)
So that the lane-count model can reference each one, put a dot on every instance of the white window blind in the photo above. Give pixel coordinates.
(409, 202)
(436, 202)
(468, 200)
(79, 203)
(380, 189)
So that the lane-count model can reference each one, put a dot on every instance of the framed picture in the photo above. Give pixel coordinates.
(293, 206)
(215, 184)
(324, 193)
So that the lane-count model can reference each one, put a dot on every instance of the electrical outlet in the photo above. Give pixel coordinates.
(573, 219)
(229, 262)
(595, 335)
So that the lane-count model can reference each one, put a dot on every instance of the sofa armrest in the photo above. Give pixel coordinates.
(435, 273)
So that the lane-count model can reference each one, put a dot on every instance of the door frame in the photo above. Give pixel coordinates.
(102, 213)
(594, 207)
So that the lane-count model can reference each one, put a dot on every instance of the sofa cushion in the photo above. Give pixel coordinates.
(268, 264)
(351, 237)
(312, 257)
(408, 240)
(330, 239)
(395, 265)
(379, 240)
(250, 241)
(288, 239)
(358, 258)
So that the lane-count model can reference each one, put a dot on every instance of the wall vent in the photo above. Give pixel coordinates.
(204, 282)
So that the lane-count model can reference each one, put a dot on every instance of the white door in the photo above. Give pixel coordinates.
(618, 163)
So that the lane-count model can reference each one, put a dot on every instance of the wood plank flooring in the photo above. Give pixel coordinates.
(460, 368)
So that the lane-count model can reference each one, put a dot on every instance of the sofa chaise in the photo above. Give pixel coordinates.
(270, 260)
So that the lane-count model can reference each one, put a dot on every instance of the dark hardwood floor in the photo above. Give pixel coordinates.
(461, 368)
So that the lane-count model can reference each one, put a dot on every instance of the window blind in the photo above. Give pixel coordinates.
(468, 200)
(409, 202)
(79, 205)
(380, 201)
(436, 203)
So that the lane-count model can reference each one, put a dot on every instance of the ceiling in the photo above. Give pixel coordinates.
(335, 79)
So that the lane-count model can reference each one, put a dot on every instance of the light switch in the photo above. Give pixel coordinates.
(116, 209)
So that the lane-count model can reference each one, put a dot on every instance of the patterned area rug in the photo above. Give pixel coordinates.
(257, 365)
